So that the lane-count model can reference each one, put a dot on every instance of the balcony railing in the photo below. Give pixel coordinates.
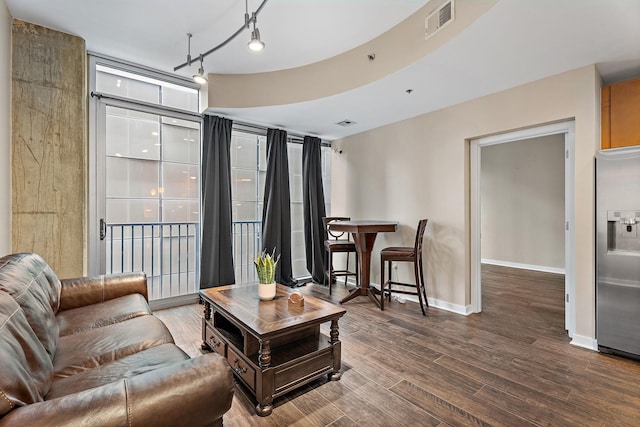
(169, 253)
(247, 243)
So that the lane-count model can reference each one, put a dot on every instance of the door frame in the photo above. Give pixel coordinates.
(568, 129)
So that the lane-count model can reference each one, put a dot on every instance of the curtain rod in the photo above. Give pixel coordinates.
(157, 108)
(261, 130)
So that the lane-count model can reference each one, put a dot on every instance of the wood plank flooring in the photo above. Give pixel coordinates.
(511, 365)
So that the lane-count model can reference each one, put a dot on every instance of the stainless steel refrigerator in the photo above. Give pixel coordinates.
(618, 251)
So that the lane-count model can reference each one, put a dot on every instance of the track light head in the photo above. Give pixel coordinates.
(200, 77)
(255, 44)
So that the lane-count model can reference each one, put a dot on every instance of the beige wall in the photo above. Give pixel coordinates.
(5, 129)
(420, 168)
(49, 146)
(522, 196)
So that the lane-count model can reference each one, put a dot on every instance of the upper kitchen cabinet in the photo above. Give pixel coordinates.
(621, 114)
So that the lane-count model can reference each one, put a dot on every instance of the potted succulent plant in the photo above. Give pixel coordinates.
(266, 268)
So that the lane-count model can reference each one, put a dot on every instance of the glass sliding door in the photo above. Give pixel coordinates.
(248, 169)
(152, 199)
(298, 254)
(148, 181)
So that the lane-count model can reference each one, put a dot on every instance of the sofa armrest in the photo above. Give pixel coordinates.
(196, 392)
(81, 291)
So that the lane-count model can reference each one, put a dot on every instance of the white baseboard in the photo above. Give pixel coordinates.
(442, 305)
(454, 308)
(584, 342)
(542, 268)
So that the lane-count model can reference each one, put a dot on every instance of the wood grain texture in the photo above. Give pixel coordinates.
(605, 114)
(625, 113)
(265, 318)
(511, 365)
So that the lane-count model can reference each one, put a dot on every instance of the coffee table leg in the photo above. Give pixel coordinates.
(206, 315)
(335, 343)
(265, 354)
(264, 410)
(264, 390)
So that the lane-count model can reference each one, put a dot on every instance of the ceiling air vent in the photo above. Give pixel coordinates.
(346, 123)
(440, 18)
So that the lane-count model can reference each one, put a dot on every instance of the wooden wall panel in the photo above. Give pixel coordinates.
(625, 113)
(605, 125)
(620, 105)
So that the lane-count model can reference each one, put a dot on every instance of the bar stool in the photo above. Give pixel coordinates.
(336, 242)
(405, 254)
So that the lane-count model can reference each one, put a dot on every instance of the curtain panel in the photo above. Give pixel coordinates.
(313, 208)
(276, 209)
(216, 255)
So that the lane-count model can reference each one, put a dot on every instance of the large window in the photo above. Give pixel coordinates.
(248, 171)
(298, 256)
(149, 162)
(248, 167)
(147, 147)
(152, 167)
(138, 87)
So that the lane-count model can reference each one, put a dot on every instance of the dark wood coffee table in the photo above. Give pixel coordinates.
(273, 346)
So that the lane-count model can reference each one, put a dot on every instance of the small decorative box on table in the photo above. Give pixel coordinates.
(273, 346)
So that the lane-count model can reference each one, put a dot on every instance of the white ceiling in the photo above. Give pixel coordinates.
(515, 42)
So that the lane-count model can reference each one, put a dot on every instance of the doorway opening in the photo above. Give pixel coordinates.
(565, 131)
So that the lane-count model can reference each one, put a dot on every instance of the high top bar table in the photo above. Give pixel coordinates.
(364, 235)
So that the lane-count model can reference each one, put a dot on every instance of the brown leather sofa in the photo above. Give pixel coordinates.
(88, 352)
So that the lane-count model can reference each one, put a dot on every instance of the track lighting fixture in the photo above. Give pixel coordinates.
(200, 77)
(256, 44)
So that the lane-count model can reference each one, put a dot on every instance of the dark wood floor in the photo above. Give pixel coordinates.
(511, 365)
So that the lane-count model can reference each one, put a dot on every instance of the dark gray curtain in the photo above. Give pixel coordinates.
(216, 256)
(313, 205)
(276, 210)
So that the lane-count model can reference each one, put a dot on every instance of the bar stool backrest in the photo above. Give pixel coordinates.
(422, 226)
(336, 235)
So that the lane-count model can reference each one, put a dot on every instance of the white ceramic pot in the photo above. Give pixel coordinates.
(266, 292)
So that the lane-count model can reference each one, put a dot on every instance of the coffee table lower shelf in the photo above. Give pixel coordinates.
(289, 362)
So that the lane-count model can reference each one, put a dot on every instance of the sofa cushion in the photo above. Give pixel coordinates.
(36, 288)
(25, 367)
(90, 349)
(127, 367)
(102, 314)
(193, 393)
